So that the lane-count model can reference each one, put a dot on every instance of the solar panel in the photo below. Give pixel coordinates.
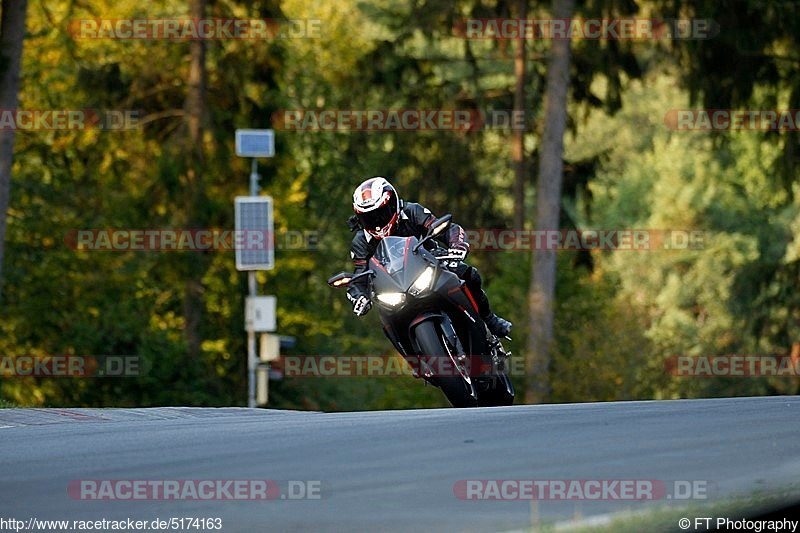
(255, 143)
(254, 240)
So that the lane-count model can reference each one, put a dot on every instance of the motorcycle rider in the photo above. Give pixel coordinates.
(379, 213)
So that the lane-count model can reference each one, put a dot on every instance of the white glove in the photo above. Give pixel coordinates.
(361, 305)
(459, 253)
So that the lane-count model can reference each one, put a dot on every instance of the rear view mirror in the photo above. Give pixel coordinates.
(439, 225)
(436, 227)
(342, 279)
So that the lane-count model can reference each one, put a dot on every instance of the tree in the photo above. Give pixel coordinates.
(750, 63)
(12, 33)
(195, 196)
(541, 293)
(518, 141)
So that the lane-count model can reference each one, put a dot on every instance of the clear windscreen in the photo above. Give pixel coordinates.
(391, 253)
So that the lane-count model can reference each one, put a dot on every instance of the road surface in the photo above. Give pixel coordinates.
(391, 470)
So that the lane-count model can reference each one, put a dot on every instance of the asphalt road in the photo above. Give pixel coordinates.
(392, 470)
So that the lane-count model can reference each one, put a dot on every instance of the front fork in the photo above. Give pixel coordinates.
(454, 348)
(452, 344)
(499, 355)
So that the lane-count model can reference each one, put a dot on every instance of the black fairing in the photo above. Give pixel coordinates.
(396, 268)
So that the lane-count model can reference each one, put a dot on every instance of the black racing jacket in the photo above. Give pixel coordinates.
(413, 221)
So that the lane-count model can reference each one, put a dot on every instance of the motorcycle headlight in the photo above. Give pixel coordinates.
(423, 281)
(391, 298)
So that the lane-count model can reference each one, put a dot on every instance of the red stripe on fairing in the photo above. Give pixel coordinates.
(471, 299)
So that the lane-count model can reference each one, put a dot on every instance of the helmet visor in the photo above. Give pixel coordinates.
(376, 220)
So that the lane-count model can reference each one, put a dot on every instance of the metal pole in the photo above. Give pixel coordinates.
(251, 378)
(254, 177)
(253, 291)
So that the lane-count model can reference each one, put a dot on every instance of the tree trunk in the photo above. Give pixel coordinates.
(541, 293)
(518, 140)
(195, 113)
(12, 33)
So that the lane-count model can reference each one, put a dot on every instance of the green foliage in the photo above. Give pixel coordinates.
(619, 314)
(694, 301)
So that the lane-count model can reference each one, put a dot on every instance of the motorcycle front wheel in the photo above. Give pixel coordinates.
(458, 390)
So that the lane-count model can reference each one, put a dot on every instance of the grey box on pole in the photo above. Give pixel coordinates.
(260, 313)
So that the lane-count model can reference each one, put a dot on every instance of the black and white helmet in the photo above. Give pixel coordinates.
(377, 206)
